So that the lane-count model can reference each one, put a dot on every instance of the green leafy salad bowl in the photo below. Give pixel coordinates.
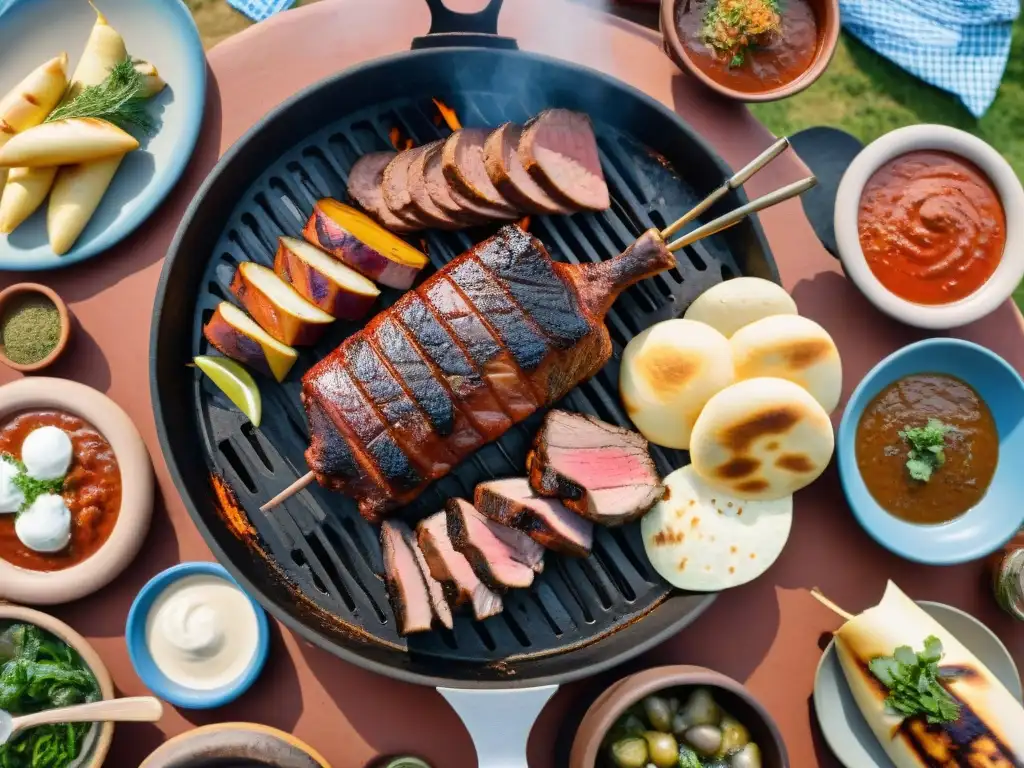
(64, 670)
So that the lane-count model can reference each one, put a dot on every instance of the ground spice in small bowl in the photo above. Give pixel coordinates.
(30, 329)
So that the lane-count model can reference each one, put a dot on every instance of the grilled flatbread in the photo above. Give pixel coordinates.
(990, 731)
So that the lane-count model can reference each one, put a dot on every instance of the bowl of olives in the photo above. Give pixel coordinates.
(678, 717)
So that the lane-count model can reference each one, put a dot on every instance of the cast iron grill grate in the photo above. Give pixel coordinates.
(317, 538)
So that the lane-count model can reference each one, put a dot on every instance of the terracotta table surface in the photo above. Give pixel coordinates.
(766, 634)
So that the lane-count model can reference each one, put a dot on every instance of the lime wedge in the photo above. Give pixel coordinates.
(234, 381)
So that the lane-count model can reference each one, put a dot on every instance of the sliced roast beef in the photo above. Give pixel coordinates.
(501, 160)
(462, 161)
(513, 503)
(601, 471)
(424, 204)
(442, 611)
(451, 200)
(407, 590)
(494, 561)
(452, 569)
(397, 192)
(559, 150)
(364, 186)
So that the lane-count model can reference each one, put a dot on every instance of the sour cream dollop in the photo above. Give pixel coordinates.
(46, 525)
(202, 632)
(46, 453)
(11, 497)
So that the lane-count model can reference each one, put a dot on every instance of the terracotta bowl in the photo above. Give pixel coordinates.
(234, 743)
(39, 588)
(99, 738)
(731, 695)
(24, 290)
(827, 15)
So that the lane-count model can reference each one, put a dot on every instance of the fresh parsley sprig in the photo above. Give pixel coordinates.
(30, 487)
(119, 99)
(927, 448)
(913, 683)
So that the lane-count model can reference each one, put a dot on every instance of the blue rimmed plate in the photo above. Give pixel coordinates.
(998, 516)
(146, 668)
(163, 33)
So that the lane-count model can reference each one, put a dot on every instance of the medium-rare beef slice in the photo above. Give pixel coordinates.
(453, 570)
(407, 591)
(501, 160)
(364, 181)
(408, 425)
(454, 366)
(513, 503)
(421, 202)
(529, 347)
(492, 559)
(462, 161)
(329, 385)
(559, 150)
(394, 187)
(509, 384)
(598, 470)
(453, 202)
(407, 363)
(525, 269)
(438, 601)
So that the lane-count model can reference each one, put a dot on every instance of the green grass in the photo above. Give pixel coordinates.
(866, 95)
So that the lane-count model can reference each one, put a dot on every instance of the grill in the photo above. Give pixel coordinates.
(318, 565)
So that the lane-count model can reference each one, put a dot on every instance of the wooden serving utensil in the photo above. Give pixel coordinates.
(138, 709)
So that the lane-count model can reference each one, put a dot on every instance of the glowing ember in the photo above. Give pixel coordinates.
(395, 136)
(524, 223)
(448, 114)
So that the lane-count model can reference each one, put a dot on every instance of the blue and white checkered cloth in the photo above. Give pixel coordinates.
(960, 46)
(260, 10)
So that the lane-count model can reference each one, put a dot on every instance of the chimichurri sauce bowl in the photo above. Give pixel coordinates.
(937, 439)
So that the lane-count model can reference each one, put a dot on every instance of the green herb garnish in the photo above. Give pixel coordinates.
(927, 448)
(119, 99)
(39, 672)
(735, 26)
(31, 489)
(913, 683)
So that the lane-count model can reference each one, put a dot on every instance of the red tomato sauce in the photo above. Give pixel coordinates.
(932, 227)
(92, 491)
(776, 61)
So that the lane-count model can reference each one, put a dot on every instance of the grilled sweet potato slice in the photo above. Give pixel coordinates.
(238, 336)
(278, 307)
(324, 281)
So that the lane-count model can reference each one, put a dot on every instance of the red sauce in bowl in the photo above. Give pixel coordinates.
(92, 491)
(931, 226)
(774, 62)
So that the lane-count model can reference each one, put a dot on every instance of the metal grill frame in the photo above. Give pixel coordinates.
(333, 556)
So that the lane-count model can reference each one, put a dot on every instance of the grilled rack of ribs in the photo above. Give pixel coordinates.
(497, 333)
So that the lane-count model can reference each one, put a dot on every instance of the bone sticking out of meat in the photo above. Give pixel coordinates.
(501, 159)
(460, 583)
(407, 591)
(493, 560)
(545, 320)
(364, 186)
(462, 161)
(598, 470)
(513, 503)
(559, 150)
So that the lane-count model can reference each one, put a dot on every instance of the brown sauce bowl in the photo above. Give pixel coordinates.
(730, 694)
(826, 14)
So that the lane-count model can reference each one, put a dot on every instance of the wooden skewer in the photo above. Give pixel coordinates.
(817, 595)
(736, 181)
(290, 491)
(736, 216)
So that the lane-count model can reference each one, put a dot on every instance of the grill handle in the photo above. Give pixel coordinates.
(499, 720)
(453, 28)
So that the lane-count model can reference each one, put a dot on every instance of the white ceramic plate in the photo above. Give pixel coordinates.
(845, 729)
(163, 33)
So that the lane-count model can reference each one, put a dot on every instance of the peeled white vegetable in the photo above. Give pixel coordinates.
(732, 304)
(668, 373)
(66, 142)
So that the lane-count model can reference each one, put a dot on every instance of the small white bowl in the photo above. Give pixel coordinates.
(1003, 281)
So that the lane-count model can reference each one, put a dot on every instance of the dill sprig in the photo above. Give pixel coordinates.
(118, 99)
